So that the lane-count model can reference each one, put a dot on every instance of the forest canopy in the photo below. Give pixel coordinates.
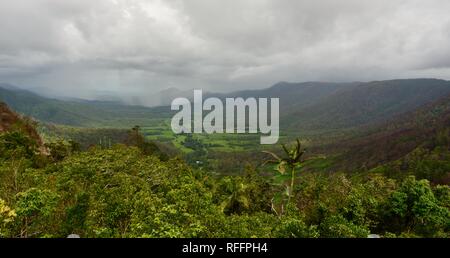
(125, 191)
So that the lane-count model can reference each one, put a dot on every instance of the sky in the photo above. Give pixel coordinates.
(134, 48)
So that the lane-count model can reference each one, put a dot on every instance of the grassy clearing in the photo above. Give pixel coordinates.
(214, 142)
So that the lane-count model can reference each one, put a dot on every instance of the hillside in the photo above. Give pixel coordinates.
(426, 129)
(120, 191)
(81, 113)
(305, 108)
(293, 96)
(366, 103)
(111, 191)
(9, 120)
(321, 108)
(321, 114)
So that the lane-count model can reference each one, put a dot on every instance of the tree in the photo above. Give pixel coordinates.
(32, 207)
(7, 215)
(413, 208)
(290, 162)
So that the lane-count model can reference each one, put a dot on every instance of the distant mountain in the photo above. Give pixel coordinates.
(293, 96)
(427, 126)
(8, 86)
(310, 108)
(81, 113)
(314, 108)
(364, 103)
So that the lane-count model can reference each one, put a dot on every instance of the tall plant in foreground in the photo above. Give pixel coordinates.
(288, 164)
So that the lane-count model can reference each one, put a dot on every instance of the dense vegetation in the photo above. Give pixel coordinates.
(126, 191)
(380, 169)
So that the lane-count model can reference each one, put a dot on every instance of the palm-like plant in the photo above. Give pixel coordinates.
(290, 162)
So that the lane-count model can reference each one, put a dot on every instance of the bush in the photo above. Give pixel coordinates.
(337, 226)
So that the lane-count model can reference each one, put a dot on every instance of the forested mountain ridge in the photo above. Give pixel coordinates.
(367, 103)
(419, 139)
(81, 113)
(292, 95)
(310, 107)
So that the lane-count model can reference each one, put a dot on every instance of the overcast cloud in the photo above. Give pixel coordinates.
(83, 48)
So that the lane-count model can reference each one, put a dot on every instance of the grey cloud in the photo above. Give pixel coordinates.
(81, 47)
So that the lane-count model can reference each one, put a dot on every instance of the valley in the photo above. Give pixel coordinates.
(356, 159)
(332, 120)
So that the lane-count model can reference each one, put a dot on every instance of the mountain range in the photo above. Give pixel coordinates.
(305, 108)
(78, 112)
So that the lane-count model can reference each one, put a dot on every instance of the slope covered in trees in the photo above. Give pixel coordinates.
(81, 113)
(422, 135)
(128, 192)
(366, 103)
(311, 108)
